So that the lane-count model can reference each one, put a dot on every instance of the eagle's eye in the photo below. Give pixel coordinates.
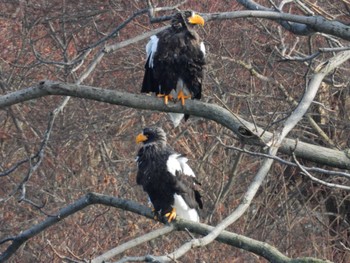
(188, 14)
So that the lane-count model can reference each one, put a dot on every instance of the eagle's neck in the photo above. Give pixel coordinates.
(157, 146)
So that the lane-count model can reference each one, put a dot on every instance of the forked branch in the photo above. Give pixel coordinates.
(239, 241)
(245, 131)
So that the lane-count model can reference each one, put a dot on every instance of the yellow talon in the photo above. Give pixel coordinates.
(181, 96)
(166, 98)
(171, 215)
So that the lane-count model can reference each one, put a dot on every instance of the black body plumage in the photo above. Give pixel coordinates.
(157, 178)
(179, 55)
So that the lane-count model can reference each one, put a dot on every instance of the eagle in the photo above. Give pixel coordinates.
(175, 62)
(166, 177)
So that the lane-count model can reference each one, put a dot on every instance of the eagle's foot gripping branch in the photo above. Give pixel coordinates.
(181, 96)
(166, 98)
(171, 215)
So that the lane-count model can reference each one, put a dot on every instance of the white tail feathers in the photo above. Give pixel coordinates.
(176, 118)
(183, 210)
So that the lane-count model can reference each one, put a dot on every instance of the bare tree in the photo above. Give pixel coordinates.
(269, 141)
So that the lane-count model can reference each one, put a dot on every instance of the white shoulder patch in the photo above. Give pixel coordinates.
(173, 164)
(186, 169)
(176, 162)
(202, 47)
(151, 49)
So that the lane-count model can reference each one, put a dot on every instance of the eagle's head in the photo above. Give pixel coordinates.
(187, 18)
(153, 135)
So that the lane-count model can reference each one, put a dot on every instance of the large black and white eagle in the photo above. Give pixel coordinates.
(175, 62)
(167, 178)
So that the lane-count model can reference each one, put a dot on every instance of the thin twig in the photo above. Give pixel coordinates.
(133, 243)
(115, 32)
(276, 158)
(313, 178)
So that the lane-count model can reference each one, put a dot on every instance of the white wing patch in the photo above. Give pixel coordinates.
(177, 162)
(186, 169)
(173, 164)
(151, 49)
(202, 47)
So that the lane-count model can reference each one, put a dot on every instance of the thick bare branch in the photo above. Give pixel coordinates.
(257, 247)
(239, 241)
(243, 129)
(314, 23)
(302, 25)
(80, 204)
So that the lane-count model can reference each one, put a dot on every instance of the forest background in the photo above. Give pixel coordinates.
(269, 141)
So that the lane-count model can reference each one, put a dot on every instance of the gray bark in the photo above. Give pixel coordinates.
(244, 130)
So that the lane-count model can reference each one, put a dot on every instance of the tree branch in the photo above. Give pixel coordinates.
(276, 158)
(314, 23)
(243, 129)
(80, 204)
(133, 243)
(319, 181)
(257, 247)
(322, 70)
(303, 25)
(239, 241)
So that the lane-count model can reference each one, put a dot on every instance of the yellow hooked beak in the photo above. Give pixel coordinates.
(196, 20)
(141, 138)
